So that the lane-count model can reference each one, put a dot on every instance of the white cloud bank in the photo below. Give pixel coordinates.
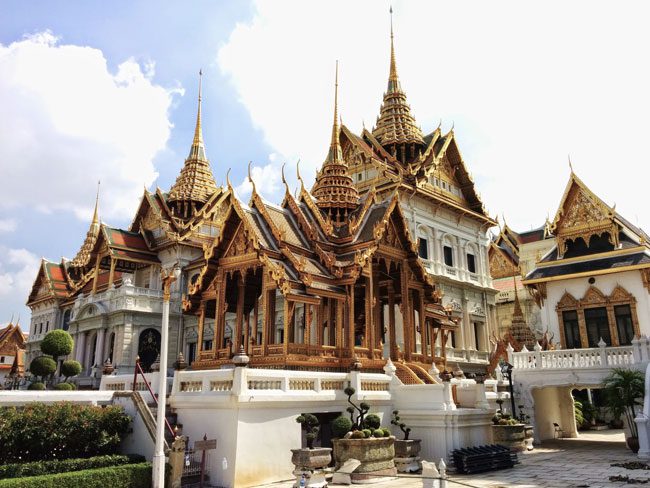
(18, 269)
(525, 83)
(66, 122)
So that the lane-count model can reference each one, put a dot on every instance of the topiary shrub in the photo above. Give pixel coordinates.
(378, 433)
(358, 434)
(42, 432)
(311, 425)
(386, 432)
(37, 385)
(42, 366)
(127, 476)
(340, 426)
(57, 343)
(64, 386)
(70, 368)
(38, 468)
(402, 426)
(366, 433)
(372, 421)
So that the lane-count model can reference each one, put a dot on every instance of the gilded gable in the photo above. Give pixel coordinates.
(500, 265)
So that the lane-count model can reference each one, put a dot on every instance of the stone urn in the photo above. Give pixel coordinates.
(310, 465)
(377, 456)
(407, 455)
(528, 436)
(311, 459)
(512, 436)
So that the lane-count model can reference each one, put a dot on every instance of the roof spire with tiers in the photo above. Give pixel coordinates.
(83, 256)
(395, 124)
(334, 189)
(195, 183)
(519, 328)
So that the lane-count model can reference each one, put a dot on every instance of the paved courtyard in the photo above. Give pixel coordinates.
(563, 463)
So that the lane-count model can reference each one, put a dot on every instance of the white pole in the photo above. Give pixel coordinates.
(158, 475)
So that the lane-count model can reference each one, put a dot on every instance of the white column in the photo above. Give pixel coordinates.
(99, 348)
(81, 346)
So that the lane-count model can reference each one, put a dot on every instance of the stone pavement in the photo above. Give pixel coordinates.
(563, 463)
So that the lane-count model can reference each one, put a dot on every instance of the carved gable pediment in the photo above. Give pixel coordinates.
(567, 301)
(620, 294)
(593, 296)
(582, 215)
(500, 265)
(241, 243)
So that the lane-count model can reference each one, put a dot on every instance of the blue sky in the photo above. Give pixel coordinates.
(107, 90)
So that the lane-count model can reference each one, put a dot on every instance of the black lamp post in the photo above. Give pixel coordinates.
(506, 372)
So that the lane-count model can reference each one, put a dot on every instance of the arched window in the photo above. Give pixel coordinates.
(66, 320)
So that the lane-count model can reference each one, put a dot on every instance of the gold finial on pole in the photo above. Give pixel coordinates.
(393, 64)
(95, 220)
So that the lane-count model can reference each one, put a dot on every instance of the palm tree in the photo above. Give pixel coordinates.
(624, 389)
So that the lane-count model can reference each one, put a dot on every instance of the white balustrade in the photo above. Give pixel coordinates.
(596, 357)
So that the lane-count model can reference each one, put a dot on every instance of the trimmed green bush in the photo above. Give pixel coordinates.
(340, 426)
(358, 434)
(42, 366)
(38, 468)
(37, 385)
(57, 343)
(64, 386)
(128, 476)
(378, 433)
(386, 432)
(367, 433)
(372, 421)
(70, 368)
(37, 432)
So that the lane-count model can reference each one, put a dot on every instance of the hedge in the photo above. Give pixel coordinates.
(127, 476)
(37, 468)
(63, 430)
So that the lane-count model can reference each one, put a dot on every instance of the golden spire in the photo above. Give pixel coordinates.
(393, 80)
(198, 149)
(395, 124)
(83, 256)
(195, 183)
(334, 190)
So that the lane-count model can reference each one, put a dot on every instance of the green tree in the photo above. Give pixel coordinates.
(42, 366)
(624, 390)
(57, 343)
(70, 368)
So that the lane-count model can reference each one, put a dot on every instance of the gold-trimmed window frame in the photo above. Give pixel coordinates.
(595, 298)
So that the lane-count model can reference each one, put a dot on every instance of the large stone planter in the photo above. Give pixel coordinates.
(512, 436)
(316, 458)
(407, 455)
(376, 456)
(310, 464)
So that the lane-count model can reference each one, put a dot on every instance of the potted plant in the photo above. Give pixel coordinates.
(310, 458)
(508, 432)
(406, 450)
(360, 436)
(624, 390)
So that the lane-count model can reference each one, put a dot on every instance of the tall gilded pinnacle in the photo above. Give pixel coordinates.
(519, 328)
(195, 183)
(334, 189)
(83, 256)
(395, 124)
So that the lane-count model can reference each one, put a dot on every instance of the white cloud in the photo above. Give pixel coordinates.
(67, 121)
(7, 225)
(526, 84)
(18, 269)
(267, 180)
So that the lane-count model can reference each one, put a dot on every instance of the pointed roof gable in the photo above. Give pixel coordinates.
(582, 214)
(50, 283)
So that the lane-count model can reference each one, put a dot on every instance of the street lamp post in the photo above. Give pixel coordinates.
(506, 371)
(158, 475)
